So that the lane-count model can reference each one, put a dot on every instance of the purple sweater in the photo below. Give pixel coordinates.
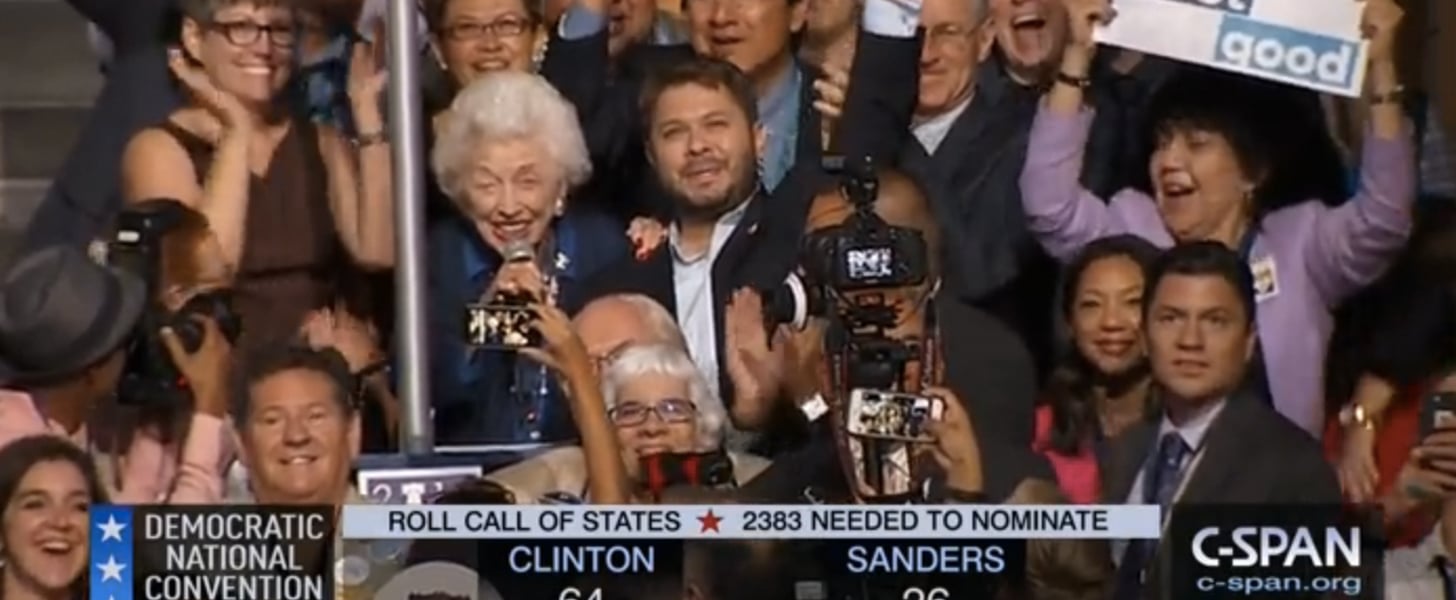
(1320, 255)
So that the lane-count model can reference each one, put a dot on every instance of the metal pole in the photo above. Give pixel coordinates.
(416, 433)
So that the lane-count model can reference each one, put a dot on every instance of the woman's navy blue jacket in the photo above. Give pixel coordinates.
(490, 396)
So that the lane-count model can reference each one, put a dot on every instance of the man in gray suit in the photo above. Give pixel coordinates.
(138, 92)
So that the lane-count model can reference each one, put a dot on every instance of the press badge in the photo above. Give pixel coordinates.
(1266, 279)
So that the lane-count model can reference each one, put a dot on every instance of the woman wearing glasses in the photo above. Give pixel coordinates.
(292, 205)
(472, 38)
(663, 413)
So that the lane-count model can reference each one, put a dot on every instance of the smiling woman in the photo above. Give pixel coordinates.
(292, 205)
(509, 155)
(47, 485)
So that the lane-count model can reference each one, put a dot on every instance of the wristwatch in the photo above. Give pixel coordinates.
(814, 408)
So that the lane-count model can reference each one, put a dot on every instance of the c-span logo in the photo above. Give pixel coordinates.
(1272, 551)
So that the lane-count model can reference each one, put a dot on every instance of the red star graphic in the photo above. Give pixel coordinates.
(710, 521)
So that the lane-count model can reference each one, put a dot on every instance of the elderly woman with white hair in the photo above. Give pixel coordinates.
(509, 156)
(669, 425)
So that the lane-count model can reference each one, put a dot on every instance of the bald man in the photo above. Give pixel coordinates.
(610, 323)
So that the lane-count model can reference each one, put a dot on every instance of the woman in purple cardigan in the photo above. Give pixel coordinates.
(1215, 174)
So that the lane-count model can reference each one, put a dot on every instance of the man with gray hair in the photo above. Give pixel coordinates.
(969, 107)
(611, 323)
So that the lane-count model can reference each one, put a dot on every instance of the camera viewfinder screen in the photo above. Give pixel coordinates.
(869, 263)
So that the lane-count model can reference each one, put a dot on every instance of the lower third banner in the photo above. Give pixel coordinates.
(211, 552)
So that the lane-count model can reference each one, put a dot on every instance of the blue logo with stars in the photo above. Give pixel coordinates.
(112, 570)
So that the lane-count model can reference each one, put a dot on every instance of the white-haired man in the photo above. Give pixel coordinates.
(611, 323)
(661, 406)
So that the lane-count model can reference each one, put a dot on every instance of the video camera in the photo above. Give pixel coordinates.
(149, 378)
(862, 253)
(844, 267)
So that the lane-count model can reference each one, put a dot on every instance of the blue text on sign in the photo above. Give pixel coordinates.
(1289, 53)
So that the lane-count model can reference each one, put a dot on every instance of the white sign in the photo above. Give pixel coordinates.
(1314, 44)
(752, 522)
(413, 485)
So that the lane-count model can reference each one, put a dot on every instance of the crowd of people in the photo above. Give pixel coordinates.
(1126, 279)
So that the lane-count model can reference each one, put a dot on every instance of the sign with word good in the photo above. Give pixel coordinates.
(211, 552)
(1314, 44)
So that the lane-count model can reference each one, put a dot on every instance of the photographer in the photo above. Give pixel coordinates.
(939, 350)
(65, 325)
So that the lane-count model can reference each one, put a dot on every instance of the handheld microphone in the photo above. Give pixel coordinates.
(518, 251)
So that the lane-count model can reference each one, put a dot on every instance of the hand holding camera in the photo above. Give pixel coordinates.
(954, 444)
(560, 348)
(204, 367)
(503, 318)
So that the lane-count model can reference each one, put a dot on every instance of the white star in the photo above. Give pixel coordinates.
(110, 569)
(111, 530)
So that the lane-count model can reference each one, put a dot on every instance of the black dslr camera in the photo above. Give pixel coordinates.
(850, 272)
(150, 379)
(864, 252)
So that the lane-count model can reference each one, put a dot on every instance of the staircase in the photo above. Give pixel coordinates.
(48, 79)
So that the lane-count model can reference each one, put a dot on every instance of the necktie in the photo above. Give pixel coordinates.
(1161, 477)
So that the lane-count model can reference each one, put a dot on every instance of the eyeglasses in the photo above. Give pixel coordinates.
(671, 410)
(504, 27)
(947, 34)
(244, 33)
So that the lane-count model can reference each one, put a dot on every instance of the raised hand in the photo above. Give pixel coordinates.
(206, 370)
(230, 112)
(646, 235)
(367, 79)
(561, 349)
(1429, 473)
(755, 366)
(830, 93)
(355, 339)
(955, 449)
(1356, 467)
(1380, 24)
(1083, 18)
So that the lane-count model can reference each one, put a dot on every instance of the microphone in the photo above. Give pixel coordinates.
(519, 251)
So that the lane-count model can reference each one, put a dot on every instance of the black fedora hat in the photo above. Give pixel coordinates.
(60, 312)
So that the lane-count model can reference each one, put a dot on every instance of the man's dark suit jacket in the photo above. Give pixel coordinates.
(1251, 455)
(973, 184)
(764, 246)
(758, 254)
(138, 93)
